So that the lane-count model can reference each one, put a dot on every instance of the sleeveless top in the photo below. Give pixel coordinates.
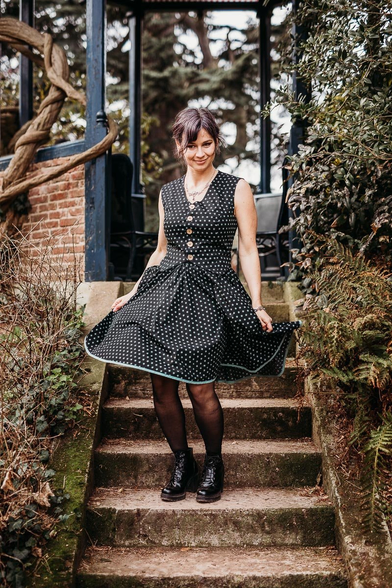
(191, 318)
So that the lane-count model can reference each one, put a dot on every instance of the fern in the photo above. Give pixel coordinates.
(347, 336)
(378, 451)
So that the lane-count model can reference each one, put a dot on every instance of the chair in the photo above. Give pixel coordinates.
(126, 242)
(272, 214)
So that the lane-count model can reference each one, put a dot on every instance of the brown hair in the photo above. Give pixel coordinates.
(188, 123)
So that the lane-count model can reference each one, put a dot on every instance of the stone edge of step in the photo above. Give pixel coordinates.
(262, 562)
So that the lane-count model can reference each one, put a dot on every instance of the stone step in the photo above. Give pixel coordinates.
(248, 517)
(306, 567)
(244, 419)
(265, 463)
(137, 384)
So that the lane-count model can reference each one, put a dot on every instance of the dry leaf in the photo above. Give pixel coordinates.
(42, 497)
(7, 485)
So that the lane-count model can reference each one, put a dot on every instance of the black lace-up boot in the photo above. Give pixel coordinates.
(184, 476)
(211, 484)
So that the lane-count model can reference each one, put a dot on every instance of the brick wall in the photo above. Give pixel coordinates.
(57, 215)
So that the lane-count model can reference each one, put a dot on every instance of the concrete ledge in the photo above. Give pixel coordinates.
(73, 455)
(291, 292)
(368, 558)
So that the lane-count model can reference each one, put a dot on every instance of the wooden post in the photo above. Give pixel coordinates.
(97, 209)
(26, 14)
(297, 128)
(265, 93)
(135, 95)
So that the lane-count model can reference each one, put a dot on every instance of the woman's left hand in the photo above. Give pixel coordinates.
(265, 319)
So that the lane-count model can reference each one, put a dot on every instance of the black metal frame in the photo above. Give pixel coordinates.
(127, 239)
(97, 217)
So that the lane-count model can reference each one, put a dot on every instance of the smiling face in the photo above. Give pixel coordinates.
(200, 154)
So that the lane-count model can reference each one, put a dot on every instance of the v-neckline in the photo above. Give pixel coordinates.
(205, 195)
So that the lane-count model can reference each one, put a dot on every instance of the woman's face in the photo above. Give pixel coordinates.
(200, 154)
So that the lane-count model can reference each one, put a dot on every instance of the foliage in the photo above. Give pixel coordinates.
(342, 174)
(40, 360)
(187, 59)
(348, 337)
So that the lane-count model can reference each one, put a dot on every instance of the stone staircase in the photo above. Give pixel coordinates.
(272, 528)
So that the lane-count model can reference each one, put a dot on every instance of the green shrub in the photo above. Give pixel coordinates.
(347, 336)
(343, 172)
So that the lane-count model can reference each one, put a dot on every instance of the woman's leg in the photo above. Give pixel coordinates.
(208, 415)
(209, 418)
(171, 417)
(169, 410)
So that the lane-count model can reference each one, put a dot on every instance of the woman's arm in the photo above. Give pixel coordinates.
(245, 212)
(155, 258)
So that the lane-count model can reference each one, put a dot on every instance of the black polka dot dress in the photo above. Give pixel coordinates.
(191, 319)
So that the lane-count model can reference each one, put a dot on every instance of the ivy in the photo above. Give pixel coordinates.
(342, 174)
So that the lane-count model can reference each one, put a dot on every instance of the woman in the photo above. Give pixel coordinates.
(188, 318)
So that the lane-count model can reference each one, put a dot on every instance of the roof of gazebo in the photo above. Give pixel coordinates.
(199, 5)
(167, 4)
(202, 1)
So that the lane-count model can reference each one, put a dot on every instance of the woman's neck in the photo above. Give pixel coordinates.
(195, 178)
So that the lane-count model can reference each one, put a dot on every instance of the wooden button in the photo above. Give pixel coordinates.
(189, 218)
(189, 231)
(190, 244)
(192, 206)
(190, 256)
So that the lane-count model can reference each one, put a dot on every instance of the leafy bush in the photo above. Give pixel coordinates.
(343, 172)
(40, 357)
(347, 336)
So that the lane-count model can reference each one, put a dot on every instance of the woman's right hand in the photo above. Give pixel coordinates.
(119, 302)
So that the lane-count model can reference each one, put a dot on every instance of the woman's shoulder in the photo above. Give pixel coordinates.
(173, 184)
(233, 179)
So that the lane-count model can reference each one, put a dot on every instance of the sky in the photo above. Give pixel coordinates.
(249, 170)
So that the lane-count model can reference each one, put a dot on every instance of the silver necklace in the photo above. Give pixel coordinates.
(195, 193)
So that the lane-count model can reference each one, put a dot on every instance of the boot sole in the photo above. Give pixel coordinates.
(212, 498)
(173, 498)
(191, 486)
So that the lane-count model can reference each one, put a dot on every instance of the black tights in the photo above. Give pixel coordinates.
(206, 407)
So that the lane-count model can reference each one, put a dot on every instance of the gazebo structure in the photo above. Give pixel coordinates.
(97, 172)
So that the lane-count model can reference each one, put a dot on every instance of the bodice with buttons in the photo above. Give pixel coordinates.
(201, 232)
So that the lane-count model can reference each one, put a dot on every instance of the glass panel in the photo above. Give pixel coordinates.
(210, 61)
(67, 24)
(280, 118)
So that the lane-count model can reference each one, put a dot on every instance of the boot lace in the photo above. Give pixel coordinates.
(210, 470)
(178, 470)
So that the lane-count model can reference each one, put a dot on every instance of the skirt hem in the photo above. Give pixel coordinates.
(249, 373)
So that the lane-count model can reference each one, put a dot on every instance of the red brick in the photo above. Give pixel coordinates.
(77, 174)
(38, 199)
(76, 211)
(38, 216)
(69, 239)
(69, 257)
(40, 234)
(34, 191)
(45, 207)
(51, 224)
(79, 248)
(58, 196)
(55, 214)
(66, 222)
(78, 230)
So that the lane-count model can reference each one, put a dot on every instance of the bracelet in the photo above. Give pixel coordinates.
(261, 307)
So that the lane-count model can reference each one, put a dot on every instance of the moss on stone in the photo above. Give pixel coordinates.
(72, 462)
